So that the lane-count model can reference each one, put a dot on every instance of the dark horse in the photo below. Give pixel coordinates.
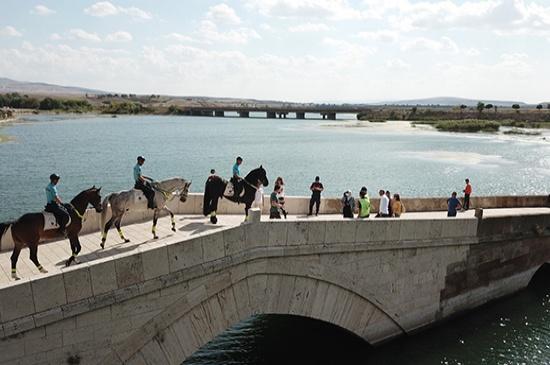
(215, 188)
(29, 229)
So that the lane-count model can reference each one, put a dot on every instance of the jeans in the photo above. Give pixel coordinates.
(148, 191)
(315, 200)
(466, 204)
(60, 212)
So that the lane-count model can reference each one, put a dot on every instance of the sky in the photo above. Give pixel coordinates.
(294, 50)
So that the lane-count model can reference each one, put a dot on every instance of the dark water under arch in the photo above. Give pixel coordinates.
(513, 330)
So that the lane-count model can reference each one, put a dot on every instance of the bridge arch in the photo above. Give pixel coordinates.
(273, 293)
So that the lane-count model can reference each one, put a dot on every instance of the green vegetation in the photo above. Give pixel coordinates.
(522, 132)
(68, 105)
(467, 125)
(16, 101)
(125, 107)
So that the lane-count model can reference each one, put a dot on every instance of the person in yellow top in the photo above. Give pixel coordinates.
(397, 206)
(363, 204)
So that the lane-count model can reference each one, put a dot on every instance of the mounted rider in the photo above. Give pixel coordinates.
(55, 205)
(143, 183)
(236, 178)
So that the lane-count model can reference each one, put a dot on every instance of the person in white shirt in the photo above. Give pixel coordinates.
(259, 197)
(383, 210)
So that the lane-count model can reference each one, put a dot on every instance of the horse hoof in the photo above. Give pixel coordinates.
(102, 245)
(156, 237)
(43, 271)
(126, 240)
(68, 263)
(16, 278)
(173, 229)
(213, 220)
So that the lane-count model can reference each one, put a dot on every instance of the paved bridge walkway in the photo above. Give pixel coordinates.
(52, 255)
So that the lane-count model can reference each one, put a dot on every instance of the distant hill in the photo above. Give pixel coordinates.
(450, 101)
(22, 87)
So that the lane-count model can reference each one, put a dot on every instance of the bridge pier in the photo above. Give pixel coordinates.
(271, 115)
(244, 114)
(300, 115)
(331, 116)
(219, 113)
(282, 115)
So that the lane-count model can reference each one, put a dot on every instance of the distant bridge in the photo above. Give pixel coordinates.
(280, 111)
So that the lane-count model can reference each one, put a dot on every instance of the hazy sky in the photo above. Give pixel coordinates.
(303, 50)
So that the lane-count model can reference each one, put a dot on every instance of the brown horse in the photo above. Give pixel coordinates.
(29, 229)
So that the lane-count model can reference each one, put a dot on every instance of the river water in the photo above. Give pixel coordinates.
(395, 156)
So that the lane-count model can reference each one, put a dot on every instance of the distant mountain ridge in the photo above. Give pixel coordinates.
(23, 87)
(451, 101)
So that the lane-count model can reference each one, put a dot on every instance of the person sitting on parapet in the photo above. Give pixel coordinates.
(453, 205)
(236, 177)
(383, 209)
(363, 204)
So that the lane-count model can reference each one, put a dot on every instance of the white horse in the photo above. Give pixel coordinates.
(135, 200)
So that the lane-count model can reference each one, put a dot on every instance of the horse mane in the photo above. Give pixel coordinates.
(82, 194)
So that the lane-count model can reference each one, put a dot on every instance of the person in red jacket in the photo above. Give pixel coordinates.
(467, 192)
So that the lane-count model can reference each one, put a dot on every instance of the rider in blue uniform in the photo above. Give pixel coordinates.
(143, 183)
(55, 205)
(236, 178)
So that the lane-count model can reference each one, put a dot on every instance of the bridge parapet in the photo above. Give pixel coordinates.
(377, 278)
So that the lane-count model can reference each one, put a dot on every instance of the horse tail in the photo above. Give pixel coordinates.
(206, 199)
(104, 211)
(3, 229)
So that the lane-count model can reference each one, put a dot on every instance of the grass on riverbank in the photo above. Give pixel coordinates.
(467, 125)
(522, 132)
(482, 125)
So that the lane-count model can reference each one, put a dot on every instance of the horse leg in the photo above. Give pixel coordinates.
(155, 219)
(246, 208)
(105, 230)
(33, 248)
(172, 219)
(117, 225)
(75, 249)
(214, 208)
(14, 257)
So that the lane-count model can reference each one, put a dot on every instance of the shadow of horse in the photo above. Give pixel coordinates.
(199, 227)
(113, 250)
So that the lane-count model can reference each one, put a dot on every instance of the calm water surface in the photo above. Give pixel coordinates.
(411, 161)
(394, 156)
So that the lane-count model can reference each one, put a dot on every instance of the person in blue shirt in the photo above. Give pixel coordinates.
(236, 178)
(143, 183)
(453, 205)
(55, 205)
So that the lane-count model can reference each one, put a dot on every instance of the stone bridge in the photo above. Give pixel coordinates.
(158, 302)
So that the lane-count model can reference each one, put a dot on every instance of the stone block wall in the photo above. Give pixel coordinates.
(158, 304)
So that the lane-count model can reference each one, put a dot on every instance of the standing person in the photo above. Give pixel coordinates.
(316, 189)
(397, 206)
(281, 184)
(275, 205)
(55, 205)
(383, 210)
(236, 177)
(363, 204)
(390, 208)
(453, 204)
(259, 197)
(348, 204)
(467, 192)
(143, 183)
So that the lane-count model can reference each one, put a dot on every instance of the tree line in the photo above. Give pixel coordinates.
(17, 101)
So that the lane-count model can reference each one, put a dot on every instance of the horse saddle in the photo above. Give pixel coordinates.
(50, 221)
(230, 190)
